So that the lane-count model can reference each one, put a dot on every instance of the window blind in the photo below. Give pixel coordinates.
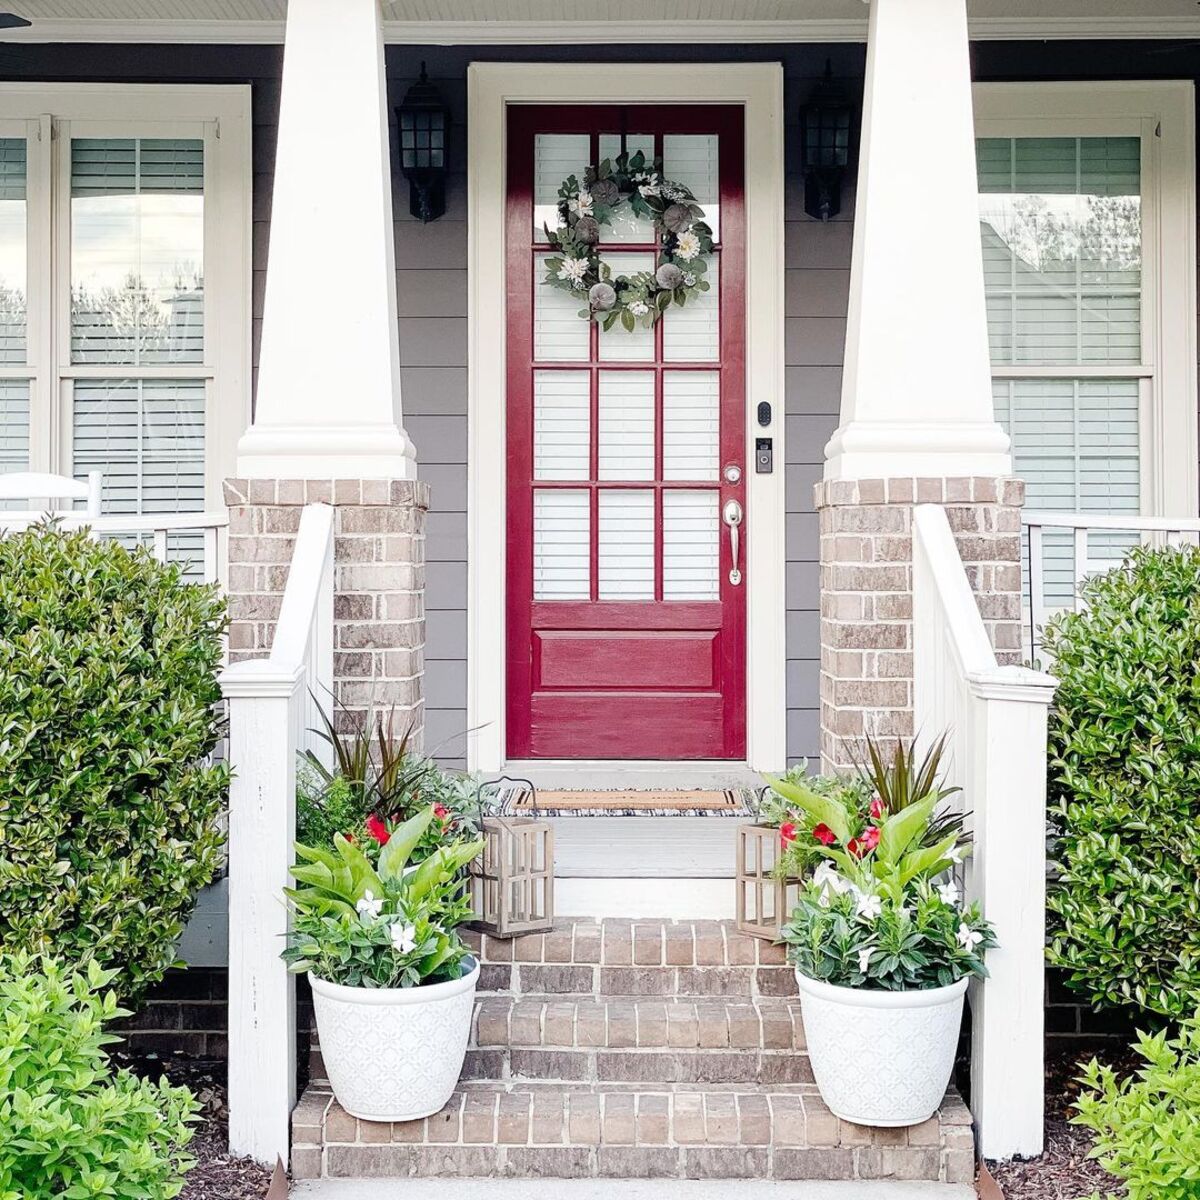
(137, 250)
(13, 239)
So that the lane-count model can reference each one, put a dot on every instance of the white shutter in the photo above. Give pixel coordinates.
(561, 545)
(626, 545)
(691, 424)
(137, 250)
(691, 545)
(626, 449)
(13, 239)
(561, 425)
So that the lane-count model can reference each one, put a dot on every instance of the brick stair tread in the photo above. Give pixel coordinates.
(649, 1130)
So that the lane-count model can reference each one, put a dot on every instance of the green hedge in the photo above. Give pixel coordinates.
(1125, 785)
(109, 809)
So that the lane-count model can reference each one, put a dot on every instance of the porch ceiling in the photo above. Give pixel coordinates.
(577, 21)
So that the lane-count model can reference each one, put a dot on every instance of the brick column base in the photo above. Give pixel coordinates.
(866, 594)
(379, 581)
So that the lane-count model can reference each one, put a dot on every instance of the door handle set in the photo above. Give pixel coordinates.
(732, 515)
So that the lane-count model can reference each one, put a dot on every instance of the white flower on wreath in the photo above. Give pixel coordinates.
(581, 204)
(689, 246)
(948, 892)
(404, 938)
(689, 280)
(868, 905)
(370, 906)
(639, 308)
(864, 958)
(573, 269)
(968, 939)
(647, 182)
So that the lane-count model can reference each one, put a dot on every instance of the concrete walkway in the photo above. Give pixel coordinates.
(619, 1189)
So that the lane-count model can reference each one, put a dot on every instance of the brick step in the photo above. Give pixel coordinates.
(634, 958)
(633, 1040)
(576, 1131)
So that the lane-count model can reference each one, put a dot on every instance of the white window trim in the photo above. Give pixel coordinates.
(1163, 114)
(491, 87)
(221, 114)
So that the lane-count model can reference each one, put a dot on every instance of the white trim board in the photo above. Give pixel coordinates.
(491, 87)
(578, 33)
(1162, 114)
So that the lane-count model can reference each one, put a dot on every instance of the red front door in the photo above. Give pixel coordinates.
(626, 453)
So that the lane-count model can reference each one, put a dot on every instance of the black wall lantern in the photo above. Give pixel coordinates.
(825, 130)
(424, 122)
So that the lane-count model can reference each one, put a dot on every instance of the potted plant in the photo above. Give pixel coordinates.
(393, 984)
(883, 950)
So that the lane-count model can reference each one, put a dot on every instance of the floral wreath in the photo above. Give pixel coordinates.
(684, 242)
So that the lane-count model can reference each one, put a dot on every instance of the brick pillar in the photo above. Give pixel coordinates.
(379, 581)
(866, 593)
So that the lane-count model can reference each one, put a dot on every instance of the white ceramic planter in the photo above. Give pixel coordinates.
(881, 1058)
(394, 1054)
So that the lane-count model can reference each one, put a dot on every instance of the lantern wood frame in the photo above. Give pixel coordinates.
(512, 879)
(764, 903)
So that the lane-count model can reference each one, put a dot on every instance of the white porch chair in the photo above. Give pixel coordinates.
(32, 486)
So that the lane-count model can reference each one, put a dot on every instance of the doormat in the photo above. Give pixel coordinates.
(632, 802)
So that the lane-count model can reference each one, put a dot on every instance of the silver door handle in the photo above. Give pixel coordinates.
(731, 514)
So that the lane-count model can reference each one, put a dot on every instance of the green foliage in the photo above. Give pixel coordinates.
(872, 915)
(1124, 784)
(384, 923)
(109, 809)
(899, 778)
(1148, 1126)
(377, 779)
(70, 1126)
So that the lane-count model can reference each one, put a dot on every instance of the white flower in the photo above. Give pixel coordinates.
(369, 907)
(864, 958)
(573, 269)
(689, 280)
(955, 855)
(581, 204)
(826, 877)
(948, 892)
(823, 898)
(968, 939)
(639, 308)
(689, 246)
(868, 905)
(404, 938)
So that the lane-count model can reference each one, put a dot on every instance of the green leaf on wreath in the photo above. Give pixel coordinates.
(627, 320)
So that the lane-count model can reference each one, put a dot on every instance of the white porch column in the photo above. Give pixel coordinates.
(916, 392)
(328, 401)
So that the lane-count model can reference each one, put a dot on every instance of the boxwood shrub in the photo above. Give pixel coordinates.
(1125, 785)
(109, 806)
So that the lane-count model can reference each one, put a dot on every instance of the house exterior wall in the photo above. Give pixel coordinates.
(431, 263)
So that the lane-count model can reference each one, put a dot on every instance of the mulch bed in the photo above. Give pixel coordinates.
(1064, 1171)
(216, 1176)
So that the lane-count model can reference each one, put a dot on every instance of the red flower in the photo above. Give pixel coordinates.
(378, 830)
(855, 847)
(441, 812)
(871, 838)
(824, 835)
(349, 837)
(878, 811)
(787, 833)
(865, 844)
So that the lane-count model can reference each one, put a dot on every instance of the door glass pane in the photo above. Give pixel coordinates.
(625, 226)
(693, 333)
(618, 344)
(561, 545)
(561, 425)
(13, 239)
(137, 250)
(626, 425)
(626, 545)
(693, 159)
(1075, 443)
(691, 424)
(560, 334)
(555, 156)
(1062, 248)
(691, 546)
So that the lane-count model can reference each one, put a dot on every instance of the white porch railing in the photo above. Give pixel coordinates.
(996, 718)
(1065, 548)
(271, 711)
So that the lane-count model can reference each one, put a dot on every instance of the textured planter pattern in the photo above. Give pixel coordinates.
(881, 1058)
(394, 1054)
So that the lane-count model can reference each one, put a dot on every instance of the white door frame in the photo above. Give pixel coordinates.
(491, 87)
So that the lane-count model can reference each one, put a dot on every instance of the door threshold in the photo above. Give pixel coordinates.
(601, 774)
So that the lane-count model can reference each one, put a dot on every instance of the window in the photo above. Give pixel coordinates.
(1089, 274)
(124, 288)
